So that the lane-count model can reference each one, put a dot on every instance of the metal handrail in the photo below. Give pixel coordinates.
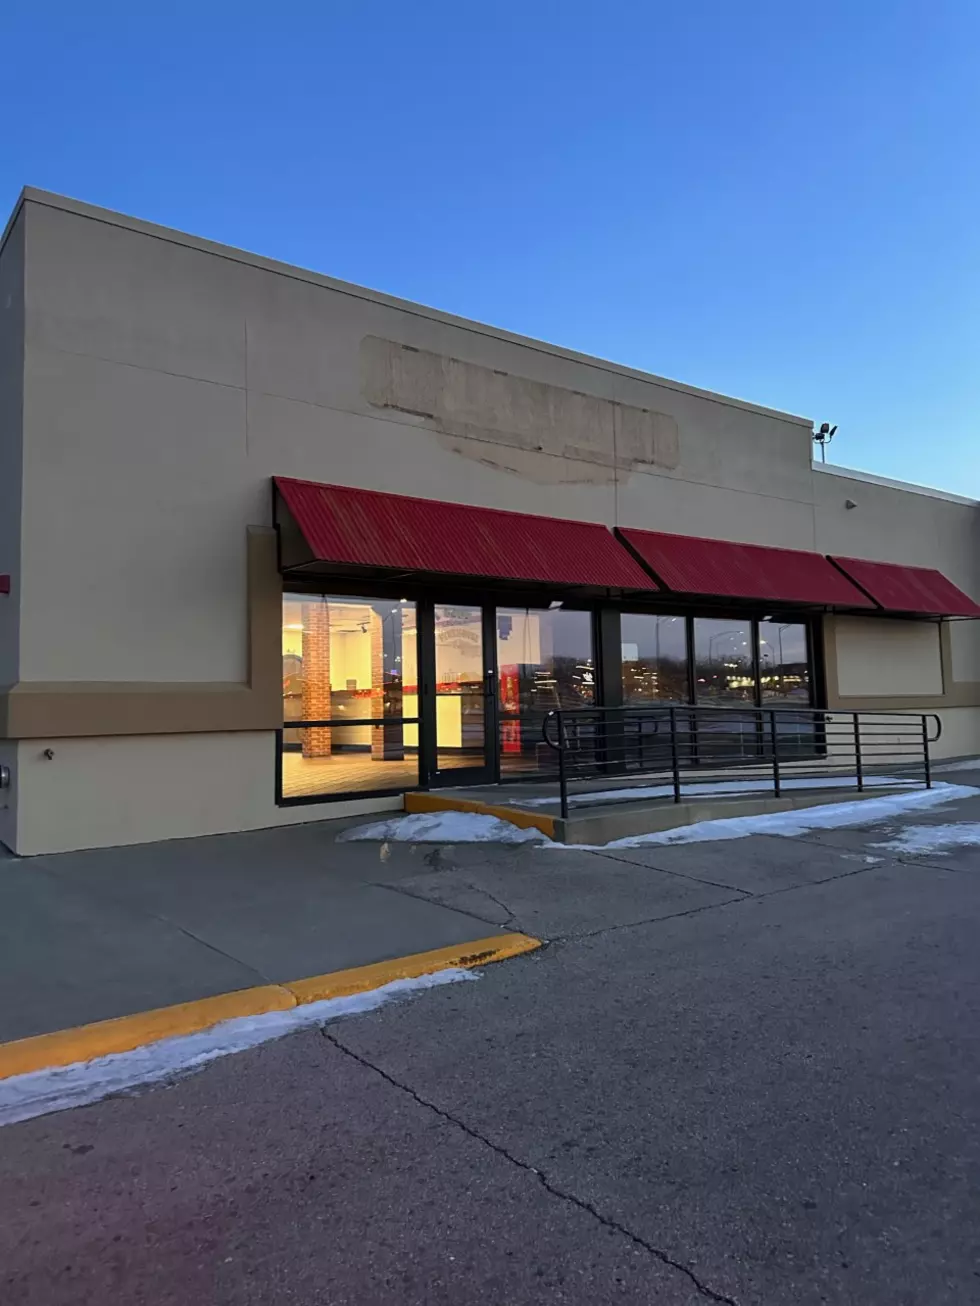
(590, 742)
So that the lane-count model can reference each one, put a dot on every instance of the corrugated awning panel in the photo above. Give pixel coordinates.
(689, 564)
(919, 591)
(365, 528)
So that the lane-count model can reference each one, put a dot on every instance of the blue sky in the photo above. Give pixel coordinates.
(777, 200)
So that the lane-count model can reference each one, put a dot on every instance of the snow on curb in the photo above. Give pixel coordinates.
(444, 827)
(43, 1091)
(475, 827)
(829, 816)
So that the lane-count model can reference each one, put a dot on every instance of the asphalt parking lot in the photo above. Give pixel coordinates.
(743, 1071)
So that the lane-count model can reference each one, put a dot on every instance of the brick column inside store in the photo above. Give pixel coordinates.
(388, 741)
(316, 678)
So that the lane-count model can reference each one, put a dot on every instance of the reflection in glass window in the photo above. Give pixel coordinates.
(724, 671)
(545, 660)
(348, 660)
(654, 659)
(784, 664)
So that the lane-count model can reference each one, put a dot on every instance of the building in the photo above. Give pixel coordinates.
(237, 495)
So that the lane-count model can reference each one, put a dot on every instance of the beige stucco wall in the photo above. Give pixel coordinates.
(96, 793)
(923, 529)
(890, 658)
(167, 380)
(11, 406)
(166, 385)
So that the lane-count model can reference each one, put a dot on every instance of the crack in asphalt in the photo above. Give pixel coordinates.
(548, 1184)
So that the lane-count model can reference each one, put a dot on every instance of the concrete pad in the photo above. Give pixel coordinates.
(288, 907)
(67, 958)
(757, 864)
(91, 935)
(555, 892)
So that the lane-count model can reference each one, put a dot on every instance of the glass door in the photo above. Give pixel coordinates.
(462, 696)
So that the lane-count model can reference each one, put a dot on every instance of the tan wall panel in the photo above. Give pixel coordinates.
(95, 793)
(11, 401)
(883, 658)
(960, 735)
(98, 289)
(136, 499)
(964, 638)
(894, 525)
(656, 502)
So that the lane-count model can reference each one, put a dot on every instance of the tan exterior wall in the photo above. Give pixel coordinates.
(11, 422)
(167, 380)
(888, 658)
(96, 793)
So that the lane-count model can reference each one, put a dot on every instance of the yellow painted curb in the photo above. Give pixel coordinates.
(64, 1047)
(342, 983)
(515, 815)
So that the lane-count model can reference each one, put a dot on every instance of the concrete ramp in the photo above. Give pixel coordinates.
(602, 823)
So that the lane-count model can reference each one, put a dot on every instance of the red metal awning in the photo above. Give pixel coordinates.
(353, 528)
(688, 564)
(918, 591)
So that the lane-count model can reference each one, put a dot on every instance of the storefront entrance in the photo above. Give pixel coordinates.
(387, 694)
(458, 698)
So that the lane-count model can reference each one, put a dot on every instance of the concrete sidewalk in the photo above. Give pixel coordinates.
(89, 936)
(93, 935)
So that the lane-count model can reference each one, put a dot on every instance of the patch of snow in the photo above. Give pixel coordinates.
(829, 816)
(934, 838)
(43, 1091)
(443, 827)
(720, 788)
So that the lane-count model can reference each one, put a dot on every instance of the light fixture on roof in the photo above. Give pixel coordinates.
(823, 437)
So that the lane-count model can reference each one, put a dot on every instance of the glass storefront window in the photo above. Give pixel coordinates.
(349, 660)
(545, 660)
(724, 670)
(654, 651)
(784, 663)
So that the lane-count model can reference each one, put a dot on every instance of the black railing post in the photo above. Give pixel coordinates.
(674, 766)
(858, 762)
(925, 751)
(776, 782)
(562, 781)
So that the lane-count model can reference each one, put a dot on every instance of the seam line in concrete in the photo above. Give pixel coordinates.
(650, 920)
(746, 896)
(548, 1184)
(695, 879)
(462, 911)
